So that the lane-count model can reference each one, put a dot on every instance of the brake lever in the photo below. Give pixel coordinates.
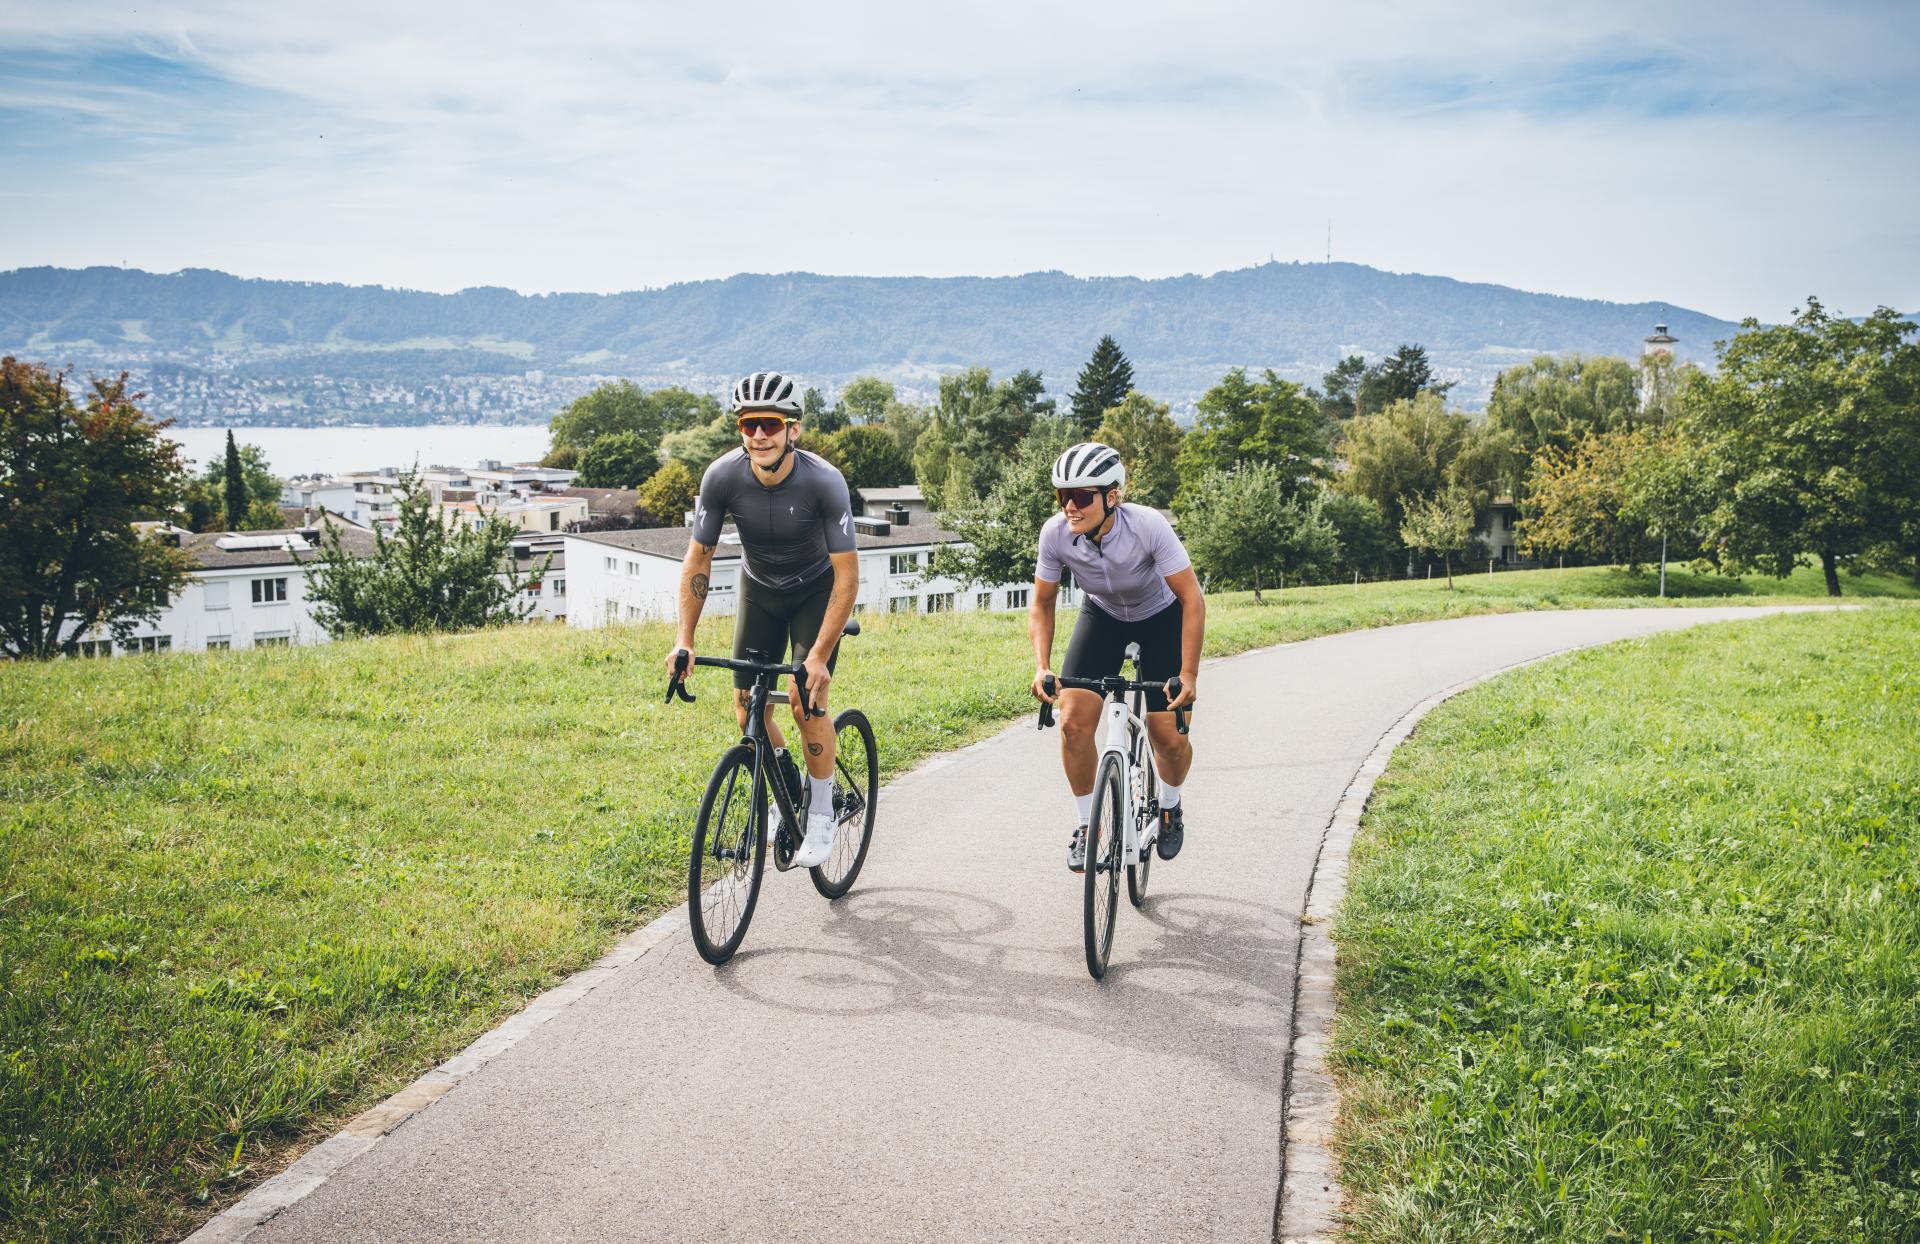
(1046, 709)
(1179, 714)
(678, 683)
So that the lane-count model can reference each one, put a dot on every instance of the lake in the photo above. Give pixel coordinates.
(329, 451)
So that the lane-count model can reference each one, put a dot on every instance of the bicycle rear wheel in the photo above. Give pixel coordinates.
(856, 794)
(1105, 849)
(729, 856)
(1146, 789)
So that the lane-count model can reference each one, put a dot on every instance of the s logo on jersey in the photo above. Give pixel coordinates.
(846, 521)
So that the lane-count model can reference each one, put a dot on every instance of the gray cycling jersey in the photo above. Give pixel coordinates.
(1126, 573)
(787, 531)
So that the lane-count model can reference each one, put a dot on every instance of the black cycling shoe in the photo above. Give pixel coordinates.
(1077, 851)
(1171, 832)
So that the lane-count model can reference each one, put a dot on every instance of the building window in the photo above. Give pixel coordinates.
(553, 520)
(532, 588)
(633, 568)
(272, 639)
(269, 591)
(219, 643)
(903, 563)
(1017, 597)
(983, 600)
(94, 648)
(903, 604)
(150, 643)
(559, 587)
(157, 597)
(940, 602)
(216, 594)
(635, 613)
(612, 564)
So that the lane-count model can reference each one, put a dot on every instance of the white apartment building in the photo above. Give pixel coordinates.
(250, 591)
(630, 576)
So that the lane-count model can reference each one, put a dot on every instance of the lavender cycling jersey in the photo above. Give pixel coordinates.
(787, 531)
(1126, 573)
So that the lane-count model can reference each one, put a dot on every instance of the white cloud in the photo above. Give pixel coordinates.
(1731, 161)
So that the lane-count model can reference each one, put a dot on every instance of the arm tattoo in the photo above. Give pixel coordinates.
(699, 586)
(813, 749)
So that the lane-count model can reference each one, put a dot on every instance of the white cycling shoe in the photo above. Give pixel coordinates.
(818, 844)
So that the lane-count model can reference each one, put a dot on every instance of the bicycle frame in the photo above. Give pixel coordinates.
(1121, 729)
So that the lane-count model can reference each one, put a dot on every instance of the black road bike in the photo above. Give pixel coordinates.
(730, 837)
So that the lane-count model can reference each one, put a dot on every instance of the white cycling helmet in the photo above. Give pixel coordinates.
(767, 390)
(1089, 465)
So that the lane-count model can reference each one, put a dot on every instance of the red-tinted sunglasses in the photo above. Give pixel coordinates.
(1082, 498)
(762, 425)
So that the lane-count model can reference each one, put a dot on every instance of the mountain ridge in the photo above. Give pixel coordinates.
(1180, 332)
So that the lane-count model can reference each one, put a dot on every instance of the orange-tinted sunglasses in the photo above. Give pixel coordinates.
(762, 425)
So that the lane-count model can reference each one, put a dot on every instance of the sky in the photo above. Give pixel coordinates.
(1732, 158)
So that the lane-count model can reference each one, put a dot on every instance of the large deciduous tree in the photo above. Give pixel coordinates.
(1270, 421)
(618, 460)
(670, 493)
(1553, 402)
(1253, 526)
(1002, 530)
(425, 576)
(1414, 449)
(1103, 384)
(73, 481)
(624, 406)
(1148, 440)
(697, 447)
(865, 399)
(1810, 437)
(1367, 544)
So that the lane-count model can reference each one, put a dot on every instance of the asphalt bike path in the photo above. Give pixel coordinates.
(927, 1059)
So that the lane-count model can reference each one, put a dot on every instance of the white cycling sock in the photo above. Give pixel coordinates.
(1169, 795)
(1083, 804)
(820, 803)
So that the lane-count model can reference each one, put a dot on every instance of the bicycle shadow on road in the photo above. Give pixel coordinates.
(1213, 980)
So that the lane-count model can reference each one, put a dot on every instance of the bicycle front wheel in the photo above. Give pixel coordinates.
(1106, 847)
(856, 794)
(729, 855)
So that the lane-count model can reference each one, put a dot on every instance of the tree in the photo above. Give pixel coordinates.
(1341, 390)
(562, 458)
(624, 406)
(817, 415)
(1252, 525)
(980, 425)
(1553, 402)
(426, 576)
(1442, 524)
(1810, 436)
(865, 400)
(1577, 499)
(1400, 377)
(618, 460)
(73, 481)
(1414, 449)
(208, 499)
(1149, 443)
(1270, 420)
(1367, 543)
(1002, 531)
(1104, 383)
(697, 447)
(670, 493)
(866, 455)
(236, 487)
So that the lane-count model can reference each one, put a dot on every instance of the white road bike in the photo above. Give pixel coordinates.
(1125, 822)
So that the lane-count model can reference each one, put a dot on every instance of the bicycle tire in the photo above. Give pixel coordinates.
(1105, 849)
(728, 858)
(856, 767)
(1149, 790)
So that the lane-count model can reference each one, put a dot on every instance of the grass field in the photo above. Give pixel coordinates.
(1631, 949)
(245, 895)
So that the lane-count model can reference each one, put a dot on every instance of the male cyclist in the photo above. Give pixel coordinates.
(798, 581)
(1140, 588)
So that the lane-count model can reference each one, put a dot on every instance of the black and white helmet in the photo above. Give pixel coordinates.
(1089, 465)
(767, 390)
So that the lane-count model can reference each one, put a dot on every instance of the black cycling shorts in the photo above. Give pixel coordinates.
(769, 619)
(1099, 647)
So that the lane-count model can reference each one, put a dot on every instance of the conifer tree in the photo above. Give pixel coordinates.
(236, 493)
(1104, 383)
